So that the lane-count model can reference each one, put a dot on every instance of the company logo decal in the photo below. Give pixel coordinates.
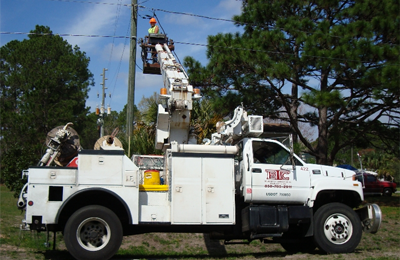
(277, 175)
(278, 179)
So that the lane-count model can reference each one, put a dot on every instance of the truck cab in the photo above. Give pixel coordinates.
(268, 173)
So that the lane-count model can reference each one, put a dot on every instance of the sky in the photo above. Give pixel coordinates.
(113, 18)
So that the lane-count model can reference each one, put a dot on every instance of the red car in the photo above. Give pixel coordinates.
(372, 185)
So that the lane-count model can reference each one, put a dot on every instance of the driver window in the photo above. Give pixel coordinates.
(271, 153)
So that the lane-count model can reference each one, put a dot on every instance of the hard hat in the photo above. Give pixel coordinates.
(152, 20)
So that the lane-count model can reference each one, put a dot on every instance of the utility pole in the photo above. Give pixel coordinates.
(102, 110)
(131, 79)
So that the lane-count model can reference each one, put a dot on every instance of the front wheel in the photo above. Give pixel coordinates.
(337, 228)
(93, 232)
(387, 192)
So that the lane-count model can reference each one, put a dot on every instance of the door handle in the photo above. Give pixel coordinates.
(257, 170)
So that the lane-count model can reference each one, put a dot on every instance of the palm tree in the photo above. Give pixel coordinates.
(204, 118)
(144, 132)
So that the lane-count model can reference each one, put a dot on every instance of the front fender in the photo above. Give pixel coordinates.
(332, 185)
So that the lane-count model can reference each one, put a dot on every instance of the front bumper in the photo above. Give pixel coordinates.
(24, 226)
(371, 218)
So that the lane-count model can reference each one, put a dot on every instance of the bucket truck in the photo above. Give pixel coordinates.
(239, 187)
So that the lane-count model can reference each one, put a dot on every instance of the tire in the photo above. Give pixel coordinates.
(387, 192)
(337, 228)
(93, 232)
(304, 245)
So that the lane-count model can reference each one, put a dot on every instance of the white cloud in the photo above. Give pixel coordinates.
(94, 20)
(228, 8)
(120, 52)
(146, 81)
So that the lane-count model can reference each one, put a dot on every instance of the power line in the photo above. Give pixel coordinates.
(144, 7)
(119, 65)
(89, 2)
(67, 34)
(115, 30)
(189, 14)
(197, 15)
(196, 44)
(200, 16)
(226, 20)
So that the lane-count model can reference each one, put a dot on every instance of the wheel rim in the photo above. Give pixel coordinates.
(93, 234)
(338, 228)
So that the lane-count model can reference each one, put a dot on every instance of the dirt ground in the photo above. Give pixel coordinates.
(199, 246)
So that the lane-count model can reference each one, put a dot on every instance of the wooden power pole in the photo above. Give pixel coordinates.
(131, 79)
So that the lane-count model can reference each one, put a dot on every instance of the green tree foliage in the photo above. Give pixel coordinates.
(44, 83)
(13, 161)
(386, 165)
(144, 131)
(204, 119)
(89, 135)
(340, 59)
(148, 108)
(143, 139)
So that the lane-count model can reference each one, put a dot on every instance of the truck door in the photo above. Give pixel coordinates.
(273, 179)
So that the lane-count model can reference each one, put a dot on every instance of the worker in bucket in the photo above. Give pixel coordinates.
(154, 28)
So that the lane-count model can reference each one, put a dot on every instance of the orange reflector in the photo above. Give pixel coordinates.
(355, 184)
(197, 91)
(163, 91)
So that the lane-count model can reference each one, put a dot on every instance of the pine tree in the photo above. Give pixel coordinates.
(338, 58)
(44, 83)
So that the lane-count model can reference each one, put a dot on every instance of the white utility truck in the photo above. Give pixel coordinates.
(239, 186)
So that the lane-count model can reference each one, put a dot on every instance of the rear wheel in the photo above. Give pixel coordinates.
(93, 232)
(337, 228)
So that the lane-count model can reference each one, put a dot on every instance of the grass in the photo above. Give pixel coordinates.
(30, 245)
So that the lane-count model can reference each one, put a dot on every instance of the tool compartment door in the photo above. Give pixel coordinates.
(186, 190)
(219, 194)
(202, 189)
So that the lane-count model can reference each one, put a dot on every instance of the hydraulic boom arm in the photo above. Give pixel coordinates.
(174, 114)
